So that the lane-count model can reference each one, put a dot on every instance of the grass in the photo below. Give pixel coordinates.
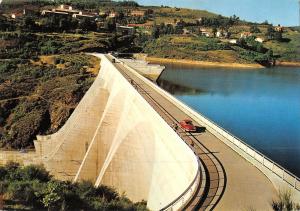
(38, 97)
(33, 188)
(163, 14)
(288, 51)
(192, 48)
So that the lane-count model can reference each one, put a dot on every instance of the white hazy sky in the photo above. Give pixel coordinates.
(284, 12)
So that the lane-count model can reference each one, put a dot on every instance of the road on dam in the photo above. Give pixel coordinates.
(231, 182)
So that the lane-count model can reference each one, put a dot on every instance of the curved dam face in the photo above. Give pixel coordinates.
(114, 137)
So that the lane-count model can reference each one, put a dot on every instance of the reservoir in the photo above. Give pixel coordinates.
(261, 107)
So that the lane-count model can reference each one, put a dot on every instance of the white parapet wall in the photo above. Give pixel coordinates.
(281, 178)
(114, 137)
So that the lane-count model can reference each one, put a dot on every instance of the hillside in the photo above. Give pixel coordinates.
(202, 48)
(205, 36)
(37, 97)
(168, 14)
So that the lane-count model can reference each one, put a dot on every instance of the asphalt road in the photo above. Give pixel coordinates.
(215, 176)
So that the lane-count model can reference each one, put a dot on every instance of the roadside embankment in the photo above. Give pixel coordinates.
(202, 63)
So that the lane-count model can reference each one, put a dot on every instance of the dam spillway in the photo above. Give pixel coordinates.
(114, 137)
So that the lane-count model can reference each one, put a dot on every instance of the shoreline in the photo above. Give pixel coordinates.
(203, 63)
(287, 64)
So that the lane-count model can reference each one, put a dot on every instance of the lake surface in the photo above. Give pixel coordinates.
(261, 107)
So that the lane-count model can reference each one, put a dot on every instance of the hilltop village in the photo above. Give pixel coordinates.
(161, 31)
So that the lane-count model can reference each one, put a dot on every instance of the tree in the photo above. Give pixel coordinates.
(254, 29)
(270, 32)
(214, 31)
(29, 23)
(242, 42)
(110, 24)
(53, 195)
(178, 29)
(34, 172)
(277, 36)
(155, 32)
(87, 25)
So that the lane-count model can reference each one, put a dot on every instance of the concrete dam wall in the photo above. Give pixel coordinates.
(114, 137)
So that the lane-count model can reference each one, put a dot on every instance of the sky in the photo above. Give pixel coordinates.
(284, 12)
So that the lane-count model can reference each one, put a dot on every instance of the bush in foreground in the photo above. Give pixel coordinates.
(284, 202)
(33, 188)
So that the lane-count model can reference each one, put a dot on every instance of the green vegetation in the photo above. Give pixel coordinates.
(202, 48)
(284, 202)
(33, 188)
(289, 48)
(38, 97)
(169, 15)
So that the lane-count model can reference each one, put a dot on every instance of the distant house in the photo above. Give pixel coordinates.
(65, 7)
(126, 30)
(246, 34)
(145, 25)
(186, 31)
(278, 28)
(53, 12)
(17, 14)
(62, 10)
(113, 14)
(103, 14)
(204, 32)
(82, 15)
(258, 39)
(233, 41)
(170, 23)
(139, 13)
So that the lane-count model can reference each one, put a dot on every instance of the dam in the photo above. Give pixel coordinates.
(120, 135)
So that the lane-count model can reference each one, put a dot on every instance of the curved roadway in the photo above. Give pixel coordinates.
(245, 180)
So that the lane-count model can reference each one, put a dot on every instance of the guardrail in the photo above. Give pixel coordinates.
(232, 141)
(186, 196)
(229, 139)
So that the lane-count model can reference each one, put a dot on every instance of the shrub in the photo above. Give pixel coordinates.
(284, 202)
(35, 172)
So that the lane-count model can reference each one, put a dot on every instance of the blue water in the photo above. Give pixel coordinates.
(261, 107)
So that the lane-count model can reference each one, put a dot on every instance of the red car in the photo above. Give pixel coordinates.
(187, 125)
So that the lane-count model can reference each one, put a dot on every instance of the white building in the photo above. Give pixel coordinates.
(258, 39)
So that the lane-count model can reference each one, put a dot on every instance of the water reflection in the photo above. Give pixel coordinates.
(256, 82)
(178, 89)
(262, 107)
